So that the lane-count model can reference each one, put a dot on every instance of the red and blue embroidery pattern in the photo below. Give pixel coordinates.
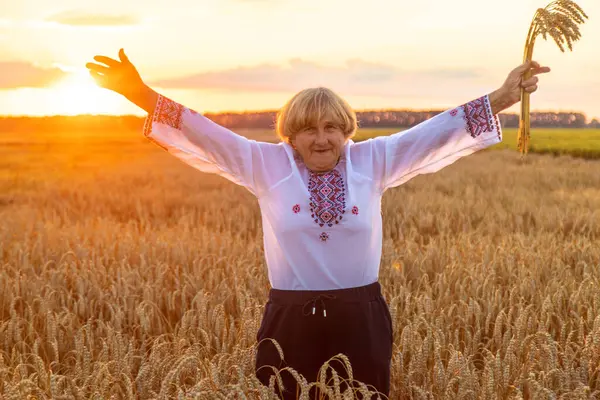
(327, 197)
(167, 112)
(478, 116)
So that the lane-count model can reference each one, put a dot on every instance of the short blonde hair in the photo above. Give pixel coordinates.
(309, 107)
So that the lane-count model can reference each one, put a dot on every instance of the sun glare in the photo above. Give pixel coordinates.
(79, 94)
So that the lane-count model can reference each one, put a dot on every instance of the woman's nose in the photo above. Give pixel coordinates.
(321, 137)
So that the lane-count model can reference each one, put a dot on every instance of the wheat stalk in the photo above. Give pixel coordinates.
(559, 20)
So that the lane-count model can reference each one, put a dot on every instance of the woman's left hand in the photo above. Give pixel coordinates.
(510, 92)
(516, 80)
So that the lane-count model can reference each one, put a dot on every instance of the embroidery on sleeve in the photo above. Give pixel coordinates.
(324, 236)
(296, 208)
(478, 117)
(355, 210)
(454, 112)
(167, 112)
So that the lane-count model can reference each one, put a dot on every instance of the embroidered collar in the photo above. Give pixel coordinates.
(327, 197)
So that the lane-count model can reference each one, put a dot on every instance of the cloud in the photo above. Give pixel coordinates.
(16, 74)
(357, 77)
(79, 18)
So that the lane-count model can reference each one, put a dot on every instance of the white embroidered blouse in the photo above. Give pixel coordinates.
(322, 231)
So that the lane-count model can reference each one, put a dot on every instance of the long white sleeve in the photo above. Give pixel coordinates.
(212, 148)
(431, 145)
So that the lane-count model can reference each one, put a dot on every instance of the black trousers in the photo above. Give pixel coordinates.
(313, 326)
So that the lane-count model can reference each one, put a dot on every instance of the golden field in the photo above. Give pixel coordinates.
(126, 274)
(583, 143)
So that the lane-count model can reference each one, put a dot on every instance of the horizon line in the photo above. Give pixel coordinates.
(587, 117)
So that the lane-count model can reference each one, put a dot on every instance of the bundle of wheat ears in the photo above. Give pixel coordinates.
(559, 20)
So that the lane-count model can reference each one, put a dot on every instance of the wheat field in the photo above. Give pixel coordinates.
(126, 274)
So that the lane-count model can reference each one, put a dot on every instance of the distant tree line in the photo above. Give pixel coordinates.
(266, 120)
(406, 119)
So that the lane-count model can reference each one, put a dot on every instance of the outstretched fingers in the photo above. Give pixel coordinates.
(97, 68)
(108, 61)
(540, 70)
(531, 68)
(123, 57)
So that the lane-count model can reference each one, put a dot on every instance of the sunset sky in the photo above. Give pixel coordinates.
(219, 55)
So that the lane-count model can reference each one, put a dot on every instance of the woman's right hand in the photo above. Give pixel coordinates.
(122, 77)
(119, 76)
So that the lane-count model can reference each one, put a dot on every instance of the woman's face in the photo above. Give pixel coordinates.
(320, 146)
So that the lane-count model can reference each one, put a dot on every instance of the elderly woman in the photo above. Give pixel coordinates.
(320, 197)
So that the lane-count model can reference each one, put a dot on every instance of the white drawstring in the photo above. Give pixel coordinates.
(314, 300)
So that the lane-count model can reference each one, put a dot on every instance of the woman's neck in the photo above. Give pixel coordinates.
(326, 171)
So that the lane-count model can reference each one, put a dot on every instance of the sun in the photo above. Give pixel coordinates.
(78, 93)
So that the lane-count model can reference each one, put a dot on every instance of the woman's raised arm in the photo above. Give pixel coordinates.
(445, 138)
(432, 144)
(190, 136)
